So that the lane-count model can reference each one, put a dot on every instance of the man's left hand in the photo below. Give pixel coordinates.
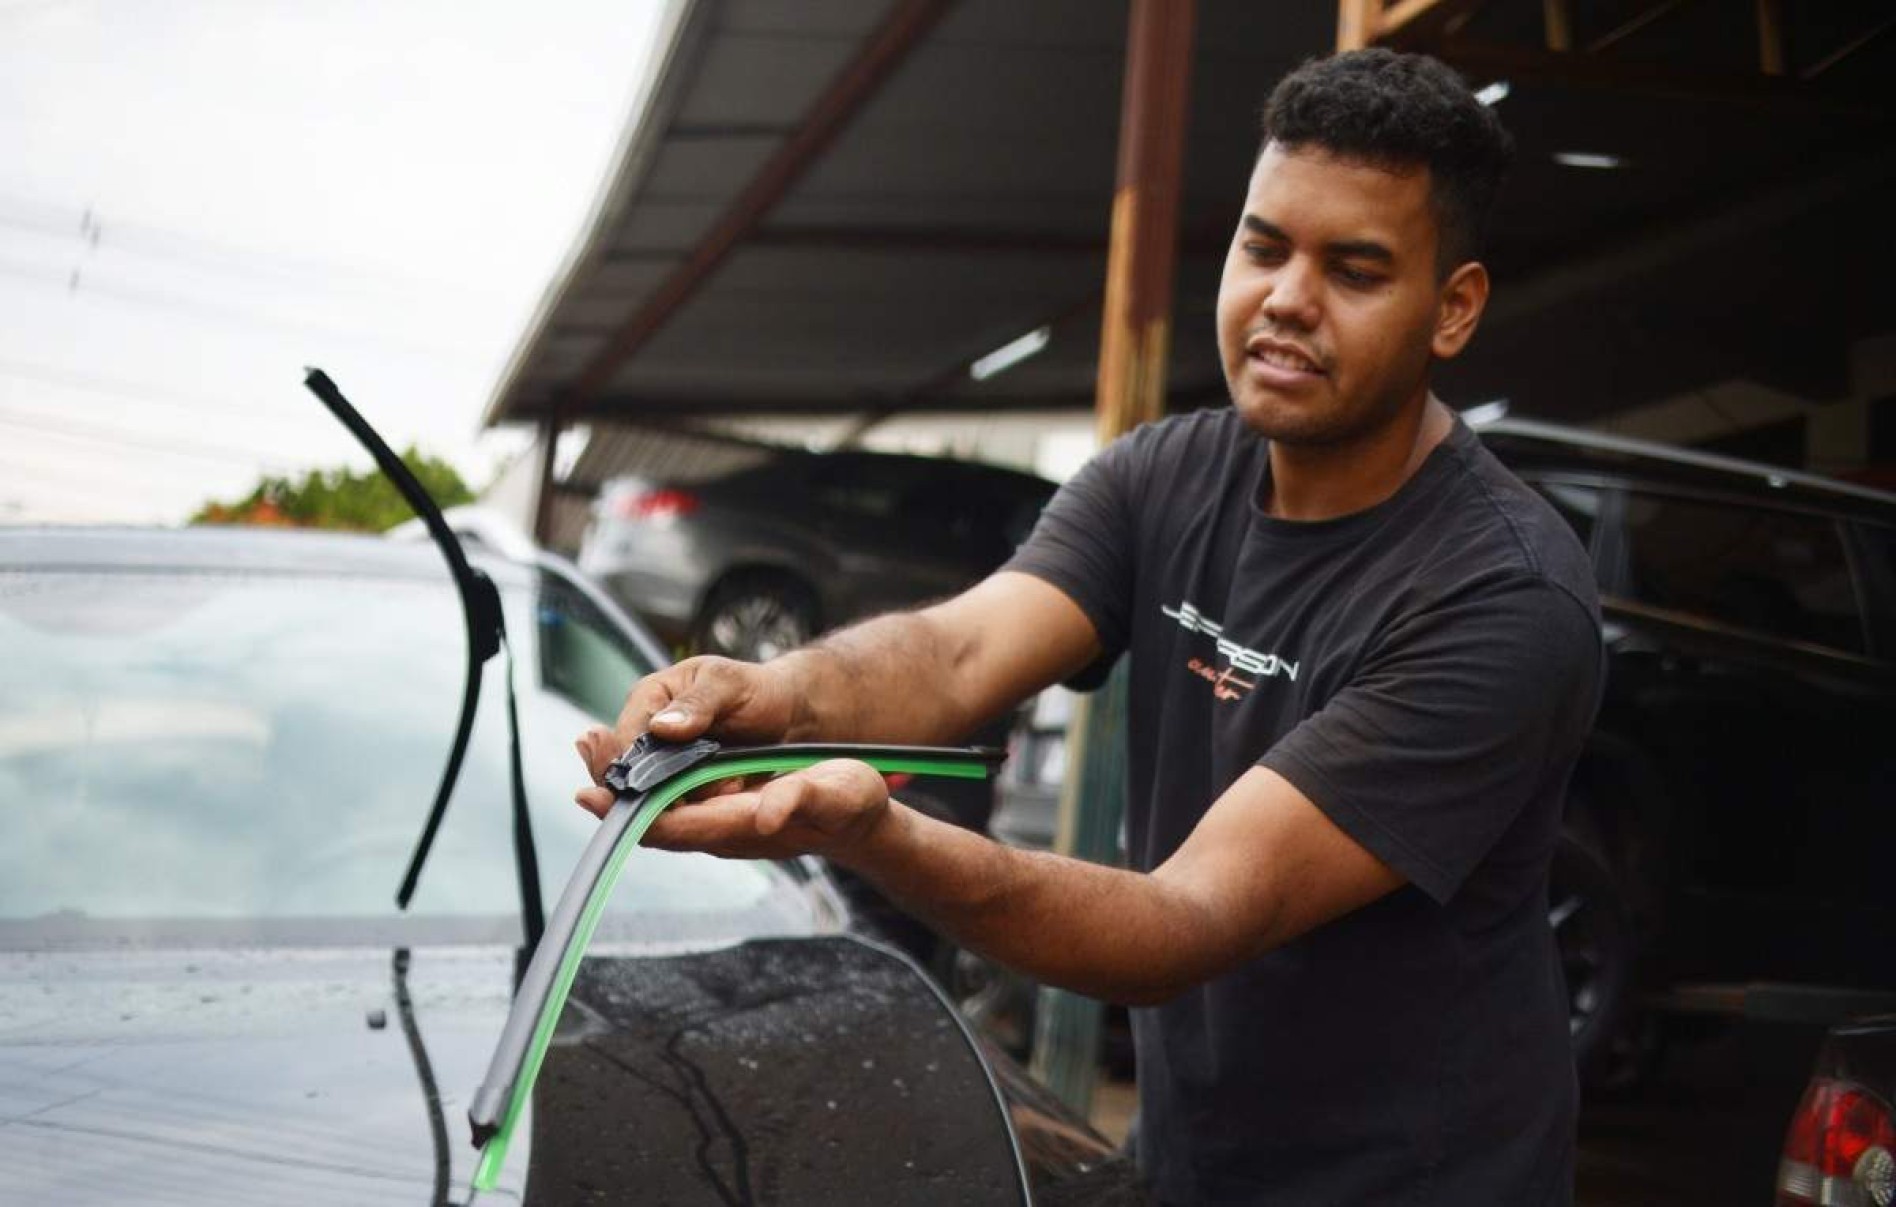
(830, 809)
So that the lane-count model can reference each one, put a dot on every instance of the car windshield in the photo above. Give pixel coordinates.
(217, 747)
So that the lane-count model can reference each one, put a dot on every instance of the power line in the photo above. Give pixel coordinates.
(138, 391)
(177, 305)
(92, 229)
(174, 448)
(112, 483)
(44, 458)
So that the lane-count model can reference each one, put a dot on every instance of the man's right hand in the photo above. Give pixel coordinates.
(699, 696)
(979, 654)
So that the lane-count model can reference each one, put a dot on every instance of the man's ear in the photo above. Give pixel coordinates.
(1458, 309)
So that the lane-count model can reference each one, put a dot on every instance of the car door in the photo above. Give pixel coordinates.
(1740, 648)
(883, 518)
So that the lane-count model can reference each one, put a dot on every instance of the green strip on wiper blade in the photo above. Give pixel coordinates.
(503, 1095)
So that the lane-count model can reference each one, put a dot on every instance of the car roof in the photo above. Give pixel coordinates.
(797, 458)
(243, 549)
(292, 552)
(1548, 446)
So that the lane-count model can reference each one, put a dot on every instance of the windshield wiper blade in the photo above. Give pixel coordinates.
(648, 779)
(486, 634)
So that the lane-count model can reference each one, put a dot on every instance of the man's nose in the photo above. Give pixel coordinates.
(1292, 299)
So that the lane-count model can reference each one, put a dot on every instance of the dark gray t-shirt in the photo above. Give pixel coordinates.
(1425, 671)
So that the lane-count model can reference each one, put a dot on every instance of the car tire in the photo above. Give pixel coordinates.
(754, 616)
(1594, 935)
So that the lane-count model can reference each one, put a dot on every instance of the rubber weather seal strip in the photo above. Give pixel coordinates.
(649, 778)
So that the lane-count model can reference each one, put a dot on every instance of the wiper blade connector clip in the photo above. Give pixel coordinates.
(650, 761)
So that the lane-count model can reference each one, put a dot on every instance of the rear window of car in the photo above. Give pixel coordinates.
(1776, 573)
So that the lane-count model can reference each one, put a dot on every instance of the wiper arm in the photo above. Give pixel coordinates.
(486, 634)
(648, 778)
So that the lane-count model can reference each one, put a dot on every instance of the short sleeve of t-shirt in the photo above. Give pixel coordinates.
(1455, 719)
(1086, 544)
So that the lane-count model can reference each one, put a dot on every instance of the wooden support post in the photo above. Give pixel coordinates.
(1770, 38)
(1356, 23)
(543, 500)
(1135, 333)
(1558, 19)
(1135, 341)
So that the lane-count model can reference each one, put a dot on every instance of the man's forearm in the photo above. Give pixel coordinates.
(1106, 932)
(890, 679)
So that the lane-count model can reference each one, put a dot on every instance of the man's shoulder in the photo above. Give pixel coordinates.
(1179, 435)
(1509, 527)
(1183, 459)
(1188, 453)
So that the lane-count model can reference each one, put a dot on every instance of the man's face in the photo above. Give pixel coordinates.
(1327, 311)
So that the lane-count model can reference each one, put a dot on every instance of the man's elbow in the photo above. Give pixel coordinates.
(1158, 982)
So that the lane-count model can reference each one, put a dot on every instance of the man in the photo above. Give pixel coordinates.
(1363, 658)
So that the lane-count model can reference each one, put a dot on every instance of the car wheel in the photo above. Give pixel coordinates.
(756, 617)
(1594, 938)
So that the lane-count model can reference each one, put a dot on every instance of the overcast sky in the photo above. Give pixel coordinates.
(200, 197)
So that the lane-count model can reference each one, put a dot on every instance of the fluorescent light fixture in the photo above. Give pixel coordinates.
(1010, 354)
(1485, 413)
(1588, 159)
(1494, 93)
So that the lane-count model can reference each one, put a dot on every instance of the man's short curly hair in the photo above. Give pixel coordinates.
(1401, 111)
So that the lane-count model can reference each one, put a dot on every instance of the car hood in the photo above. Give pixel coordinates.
(299, 1075)
(773, 1070)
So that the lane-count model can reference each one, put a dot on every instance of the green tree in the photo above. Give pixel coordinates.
(339, 498)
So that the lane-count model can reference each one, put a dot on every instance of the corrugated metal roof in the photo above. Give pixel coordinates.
(968, 199)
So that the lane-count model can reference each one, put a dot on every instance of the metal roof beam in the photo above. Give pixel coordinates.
(1596, 268)
(1634, 24)
(1363, 23)
(1848, 48)
(1650, 79)
(638, 408)
(963, 240)
(967, 240)
(1436, 26)
(859, 80)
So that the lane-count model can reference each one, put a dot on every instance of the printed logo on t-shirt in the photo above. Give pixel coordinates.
(1226, 683)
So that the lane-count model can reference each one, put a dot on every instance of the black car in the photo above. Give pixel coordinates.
(217, 749)
(759, 561)
(1729, 821)
(1840, 1147)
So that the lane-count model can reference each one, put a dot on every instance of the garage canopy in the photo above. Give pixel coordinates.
(839, 206)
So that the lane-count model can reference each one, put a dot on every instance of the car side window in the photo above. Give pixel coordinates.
(582, 655)
(1780, 574)
(858, 488)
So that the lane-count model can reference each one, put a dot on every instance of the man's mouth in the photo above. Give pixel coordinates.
(1281, 355)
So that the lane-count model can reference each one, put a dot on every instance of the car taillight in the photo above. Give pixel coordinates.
(663, 504)
(1841, 1150)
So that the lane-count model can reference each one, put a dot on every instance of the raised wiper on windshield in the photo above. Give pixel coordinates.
(648, 779)
(486, 635)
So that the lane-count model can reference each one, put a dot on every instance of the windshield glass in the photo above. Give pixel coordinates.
(228, 746)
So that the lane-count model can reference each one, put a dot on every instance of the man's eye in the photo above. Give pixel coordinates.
(1263, 252)
(1357, 277)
